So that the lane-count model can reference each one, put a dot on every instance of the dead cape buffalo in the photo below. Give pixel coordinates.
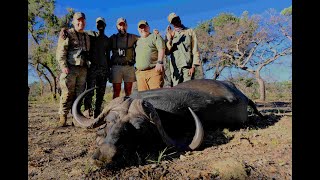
(207, 102)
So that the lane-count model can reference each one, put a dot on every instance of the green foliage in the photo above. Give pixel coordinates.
(279, 91)
(248, 82)
(161, 156)
(205, 26)
(287, 11)
(275, 91)
(249, 24)
(223, 19)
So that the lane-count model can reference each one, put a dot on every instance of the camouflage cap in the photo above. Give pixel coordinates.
(121, 19)
(101, 19)
(79, 15)
(143, 22)
(171, 16)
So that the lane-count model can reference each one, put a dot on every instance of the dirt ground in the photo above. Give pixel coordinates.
(260, 149)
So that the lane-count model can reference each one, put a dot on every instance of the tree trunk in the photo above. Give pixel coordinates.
(54, 88)
(50, 84)
(41, 83)
(262, 87)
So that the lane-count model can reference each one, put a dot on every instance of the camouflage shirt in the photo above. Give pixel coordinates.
(69, 50)
(183, 50)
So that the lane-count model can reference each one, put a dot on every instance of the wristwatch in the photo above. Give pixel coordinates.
(160, 62)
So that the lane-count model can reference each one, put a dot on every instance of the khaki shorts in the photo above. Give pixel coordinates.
(149, 79)
(125, 73)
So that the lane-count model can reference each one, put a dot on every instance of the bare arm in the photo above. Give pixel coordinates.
(160, 66)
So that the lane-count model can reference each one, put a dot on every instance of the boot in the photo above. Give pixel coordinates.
(63, 120)
(96, 113)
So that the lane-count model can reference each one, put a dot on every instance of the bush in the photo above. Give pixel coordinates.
(275, 91)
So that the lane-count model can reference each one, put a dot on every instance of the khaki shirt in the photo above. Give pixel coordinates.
(68, 50)
(99, 49)
(117, 41)
(184, 50)
(147, 51)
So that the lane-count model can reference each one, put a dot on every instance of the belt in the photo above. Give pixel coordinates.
(149, 68)
(123, 64)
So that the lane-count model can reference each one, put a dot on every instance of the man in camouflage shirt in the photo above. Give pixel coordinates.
(99, 69)
(149, 58)
(72, 56)
(182, 48)
(122, 59)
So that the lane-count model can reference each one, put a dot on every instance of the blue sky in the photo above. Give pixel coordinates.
(191, 13)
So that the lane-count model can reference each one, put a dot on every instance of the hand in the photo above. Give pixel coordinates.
(63, 33)
(191, 71)
(159, 67)
(65, 70)
(169, 33)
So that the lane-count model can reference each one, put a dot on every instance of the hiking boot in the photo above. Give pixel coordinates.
(87, 113)
(63, 121)
(96, 113)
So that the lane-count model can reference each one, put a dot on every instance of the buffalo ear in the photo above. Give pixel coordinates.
(143, 126)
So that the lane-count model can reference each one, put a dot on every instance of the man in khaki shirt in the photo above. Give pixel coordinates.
(123, 59)
(182, 47)
(99, 69)
(72, 56)
(149, 58)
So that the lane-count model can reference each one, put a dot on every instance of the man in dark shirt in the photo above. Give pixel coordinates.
(122, 59)
(99, 69)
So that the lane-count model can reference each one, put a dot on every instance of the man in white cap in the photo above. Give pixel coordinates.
(182, 48)
(72, 56)
(122, 59)
(149, 58)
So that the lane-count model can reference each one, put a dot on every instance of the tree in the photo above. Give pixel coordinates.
(276, 43)
(43, 29)
(247, 43)
(209, 35)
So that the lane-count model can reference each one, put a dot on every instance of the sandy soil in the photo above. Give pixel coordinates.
(260, 149)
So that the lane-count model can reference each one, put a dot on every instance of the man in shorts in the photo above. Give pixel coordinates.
(123, 58)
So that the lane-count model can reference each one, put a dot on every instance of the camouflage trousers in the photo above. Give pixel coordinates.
(72, 84)
(97, 77)
(175, 75)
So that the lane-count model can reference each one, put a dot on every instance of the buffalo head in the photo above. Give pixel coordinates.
(123, 114)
